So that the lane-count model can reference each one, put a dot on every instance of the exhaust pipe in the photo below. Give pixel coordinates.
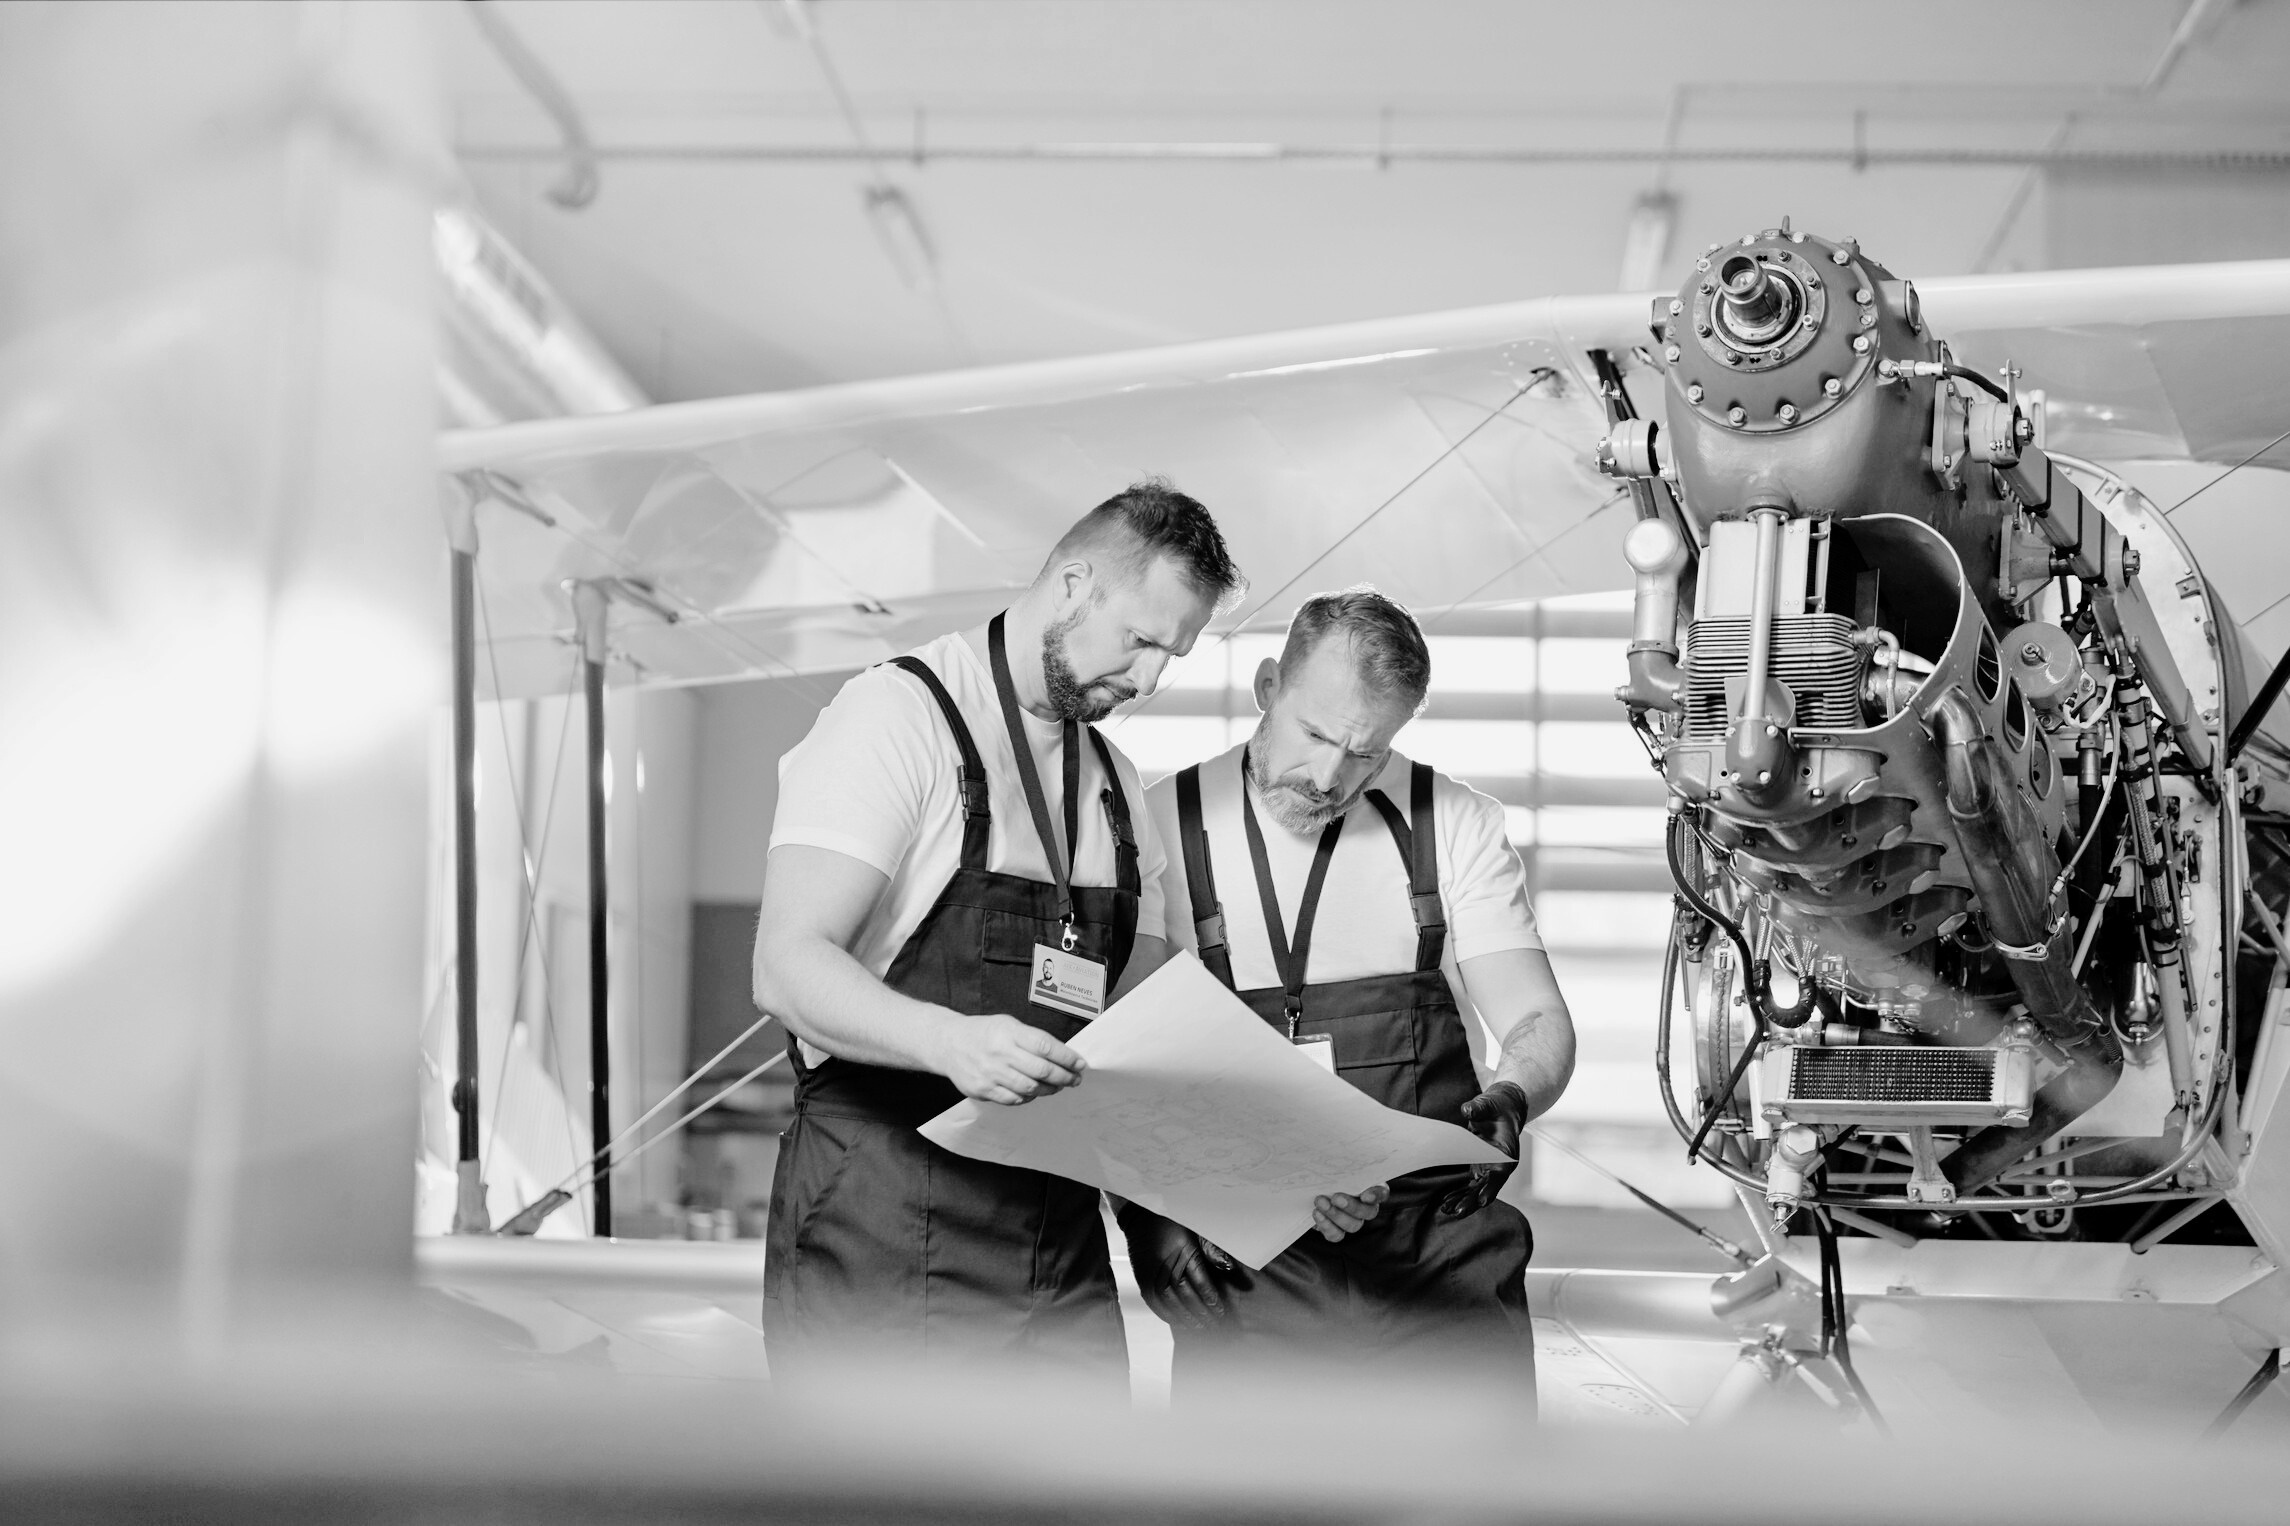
(2012, 867)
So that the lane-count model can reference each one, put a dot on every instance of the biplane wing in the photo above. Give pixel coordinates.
(1448, 458)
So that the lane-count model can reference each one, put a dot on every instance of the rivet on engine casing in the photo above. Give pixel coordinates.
(1671, 352)
(1676, 307)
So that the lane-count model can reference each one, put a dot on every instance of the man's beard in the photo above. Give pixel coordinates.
(1296, 803)
(1071, 699)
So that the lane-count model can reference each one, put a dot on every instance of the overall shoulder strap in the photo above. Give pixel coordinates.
(1201, 878)
(977, 815)
(1116, 802)
(1418, 845)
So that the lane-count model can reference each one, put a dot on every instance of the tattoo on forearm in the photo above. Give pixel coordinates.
(1521, 1061)
(1517, 1042)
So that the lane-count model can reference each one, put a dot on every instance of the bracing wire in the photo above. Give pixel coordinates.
(528, 1218)
(1719, 1242)
(1541, 375)
(671, 1129)
(529, 864)
(1453, 605)
(2221, 477)
(655, 1109)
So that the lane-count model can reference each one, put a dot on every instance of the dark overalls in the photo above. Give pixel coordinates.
(881, 1244)
(1411, 1287)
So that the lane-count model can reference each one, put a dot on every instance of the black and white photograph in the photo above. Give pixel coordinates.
(1139, 761)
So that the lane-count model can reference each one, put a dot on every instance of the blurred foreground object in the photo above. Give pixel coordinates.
(221, 654)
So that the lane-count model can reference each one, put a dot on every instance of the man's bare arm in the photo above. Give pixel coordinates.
(1518, 998)
(814, 903)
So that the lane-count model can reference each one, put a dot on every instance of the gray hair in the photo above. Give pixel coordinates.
(1389, 654)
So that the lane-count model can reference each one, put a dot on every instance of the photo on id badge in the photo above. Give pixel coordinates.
(1066, 982)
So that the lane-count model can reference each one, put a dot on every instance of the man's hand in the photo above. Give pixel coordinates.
(1495, 1115)
(1176, 1269)
(1340, 1213)
(996, 1058)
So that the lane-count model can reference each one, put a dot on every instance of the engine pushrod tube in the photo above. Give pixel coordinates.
(1761, 600)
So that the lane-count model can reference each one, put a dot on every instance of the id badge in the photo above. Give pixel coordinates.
(1319, 1048)
(1072, 983)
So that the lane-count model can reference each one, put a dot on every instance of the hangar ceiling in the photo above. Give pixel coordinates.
(711, 261)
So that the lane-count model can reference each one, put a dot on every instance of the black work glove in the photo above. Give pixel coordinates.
(1495, 1115)
(1176, 1269)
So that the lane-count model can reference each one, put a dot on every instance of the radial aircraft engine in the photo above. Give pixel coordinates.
(1977, 908)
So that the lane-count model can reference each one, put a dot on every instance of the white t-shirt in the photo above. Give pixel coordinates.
(1364, 925)
(877, 779)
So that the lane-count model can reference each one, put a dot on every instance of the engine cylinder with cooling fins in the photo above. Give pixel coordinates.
(1814, 658)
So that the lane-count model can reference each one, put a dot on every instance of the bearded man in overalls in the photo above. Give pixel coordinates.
(1347, 895)
(959, 878)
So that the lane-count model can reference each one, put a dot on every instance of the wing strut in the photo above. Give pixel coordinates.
(590, 602)
(469, 1212)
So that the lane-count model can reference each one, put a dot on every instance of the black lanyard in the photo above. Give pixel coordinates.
(1291, 962)
(1036, 802)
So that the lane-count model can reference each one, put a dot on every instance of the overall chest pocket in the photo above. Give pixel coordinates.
(1004, 938)
(1368, 1039)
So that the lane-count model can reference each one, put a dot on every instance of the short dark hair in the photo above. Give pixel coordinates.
(1149, 519)
(1388, 650)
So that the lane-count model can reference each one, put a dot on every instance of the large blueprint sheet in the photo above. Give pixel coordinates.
(1197, 1109)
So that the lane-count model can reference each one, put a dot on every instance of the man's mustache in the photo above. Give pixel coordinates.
(1310, 792)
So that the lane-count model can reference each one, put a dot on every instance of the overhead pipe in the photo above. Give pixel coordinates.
(1198, 151)
(580, 182)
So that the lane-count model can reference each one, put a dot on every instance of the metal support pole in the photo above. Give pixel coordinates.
(590, 601)
(470, 1216)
